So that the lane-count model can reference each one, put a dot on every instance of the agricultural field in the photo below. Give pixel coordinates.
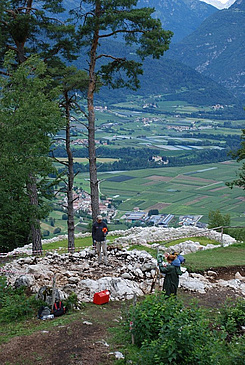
(193, 190)
(154, 122)
(172, 129)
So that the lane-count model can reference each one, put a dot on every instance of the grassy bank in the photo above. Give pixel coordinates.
(233, 255)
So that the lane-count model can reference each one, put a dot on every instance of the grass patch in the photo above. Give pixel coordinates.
(151, 251)
(80, 244)
(233, 255)
(26, 327)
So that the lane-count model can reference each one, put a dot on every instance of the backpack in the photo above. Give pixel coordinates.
(43, 312)
(58, 309)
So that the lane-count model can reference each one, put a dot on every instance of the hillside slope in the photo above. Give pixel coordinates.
(216, 48)
(175, 81)
(180, 16)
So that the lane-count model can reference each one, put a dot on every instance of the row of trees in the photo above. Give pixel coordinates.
(39, 94)
(133, 162)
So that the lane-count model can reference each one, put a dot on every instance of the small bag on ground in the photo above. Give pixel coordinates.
(58, 309)
(43, 312)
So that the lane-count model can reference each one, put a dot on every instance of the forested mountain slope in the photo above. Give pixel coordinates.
(216, 48)
(180, 16)
(169, 77)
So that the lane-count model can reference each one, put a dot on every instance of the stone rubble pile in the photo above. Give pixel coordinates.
(145, 235)
(186, 247)
(129, 272)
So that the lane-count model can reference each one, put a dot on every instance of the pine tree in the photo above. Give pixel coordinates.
(29, 115)
(71, 81)
(31, 27)
(239, 155)
(100, 21)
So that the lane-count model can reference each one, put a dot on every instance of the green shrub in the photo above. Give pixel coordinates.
(236, 351)
(149, 316)
(169, 333)
(237, 233)
(15, 304)
(232, 316)
(216, 219)
(46, 233)
(184, 339)
(71, 302)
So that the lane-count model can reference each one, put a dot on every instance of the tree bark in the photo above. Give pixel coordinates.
(36, 240)
(94, 189)
(35, 224)
(69, 193)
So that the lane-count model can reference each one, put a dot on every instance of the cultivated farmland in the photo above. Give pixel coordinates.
(195, 189)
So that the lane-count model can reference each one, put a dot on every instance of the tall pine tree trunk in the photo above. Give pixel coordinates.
(69, 193)
(94, 191)
(94, 188)
(35, 229)
(35, 224)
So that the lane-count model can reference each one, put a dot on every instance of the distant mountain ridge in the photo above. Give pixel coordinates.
(182, 17)
(239, 4)
(216, 49)
(172, 79)
(178, 81)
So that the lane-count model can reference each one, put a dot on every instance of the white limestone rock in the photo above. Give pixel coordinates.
(238, 276)
(138, 273)
(242, 288)
(133, 270)
(24, 280)
(40, 271)
(193, 284)
(119, 288)
(234, 283)
(211, 274)
(73, 280)
(127, 275)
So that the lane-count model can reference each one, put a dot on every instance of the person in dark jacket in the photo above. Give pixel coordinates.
(172, 273)
(99, 232)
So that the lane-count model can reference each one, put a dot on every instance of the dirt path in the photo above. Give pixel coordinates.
(82, 341)
(69, 345)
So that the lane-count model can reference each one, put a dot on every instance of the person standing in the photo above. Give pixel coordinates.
(172, 273)
(99, 232)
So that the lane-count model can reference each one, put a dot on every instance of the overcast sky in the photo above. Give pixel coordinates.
(220, 4)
